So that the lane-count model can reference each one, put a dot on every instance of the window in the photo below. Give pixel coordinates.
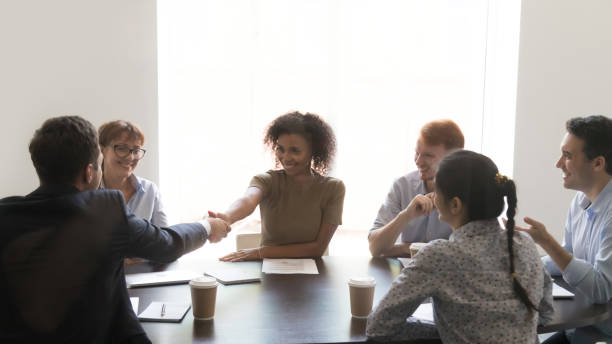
(375, 70)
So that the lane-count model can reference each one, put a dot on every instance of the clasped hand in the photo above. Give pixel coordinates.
(421, 205)
(218, 229)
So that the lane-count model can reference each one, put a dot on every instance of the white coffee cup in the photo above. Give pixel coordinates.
(361, 290)
(203, 297)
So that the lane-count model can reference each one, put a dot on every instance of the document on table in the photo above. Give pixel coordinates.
(561, 293)
(289, 266)
(424, 312)
(134, 301)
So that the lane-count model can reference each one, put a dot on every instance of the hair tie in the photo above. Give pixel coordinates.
(501, 179)
(514, 275)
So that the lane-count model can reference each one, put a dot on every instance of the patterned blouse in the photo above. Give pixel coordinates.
(469, 282)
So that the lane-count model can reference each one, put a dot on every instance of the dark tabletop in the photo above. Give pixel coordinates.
(299, 308)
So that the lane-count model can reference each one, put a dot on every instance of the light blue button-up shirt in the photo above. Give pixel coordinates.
(146, 201)
(421, 229)
(588, 237)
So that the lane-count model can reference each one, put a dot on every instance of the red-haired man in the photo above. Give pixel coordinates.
(436, 139)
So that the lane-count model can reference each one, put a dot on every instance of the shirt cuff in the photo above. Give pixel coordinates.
(206, 225)
(576, 271)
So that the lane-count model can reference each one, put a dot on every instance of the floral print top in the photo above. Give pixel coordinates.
(468, 279)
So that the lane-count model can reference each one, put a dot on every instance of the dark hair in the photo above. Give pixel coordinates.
(62, 148)
(443, 132)
(475, 180)
(313, 128)
(596, 132)
(113, 130)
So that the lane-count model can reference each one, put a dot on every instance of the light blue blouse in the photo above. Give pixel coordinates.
(146, 201)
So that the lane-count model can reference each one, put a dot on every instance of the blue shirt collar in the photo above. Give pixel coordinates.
(134, 180)
(136, 183)
(603, 200)
(420, 186)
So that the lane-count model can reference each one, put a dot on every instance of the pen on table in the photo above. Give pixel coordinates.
(163, 310)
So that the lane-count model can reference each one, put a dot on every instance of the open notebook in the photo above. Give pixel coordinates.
(164, 312)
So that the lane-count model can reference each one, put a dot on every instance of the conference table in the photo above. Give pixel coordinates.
(299, 308)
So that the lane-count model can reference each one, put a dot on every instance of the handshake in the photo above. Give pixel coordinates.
(219, 226)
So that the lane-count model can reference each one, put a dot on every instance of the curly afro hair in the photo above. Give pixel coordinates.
(313, 128)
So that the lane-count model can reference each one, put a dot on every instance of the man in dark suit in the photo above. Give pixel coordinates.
(62, 246)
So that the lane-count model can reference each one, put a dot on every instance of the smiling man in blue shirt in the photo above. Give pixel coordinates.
(585, 257)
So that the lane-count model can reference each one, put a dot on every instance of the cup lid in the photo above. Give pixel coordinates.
(363, 281)
(203, 281)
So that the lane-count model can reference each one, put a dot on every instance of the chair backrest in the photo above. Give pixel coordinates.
(250, 240)
(247, 240)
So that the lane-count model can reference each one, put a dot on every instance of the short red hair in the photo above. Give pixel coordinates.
(110, 131)
(443, 132)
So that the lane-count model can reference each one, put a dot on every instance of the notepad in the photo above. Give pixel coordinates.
(231, 275)
(164, 312)
(159, 278)
(561, 293)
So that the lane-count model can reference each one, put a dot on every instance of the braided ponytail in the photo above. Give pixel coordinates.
(509, 190)
(476, 181)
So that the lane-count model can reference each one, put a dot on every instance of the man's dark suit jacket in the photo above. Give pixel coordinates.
(62, 251)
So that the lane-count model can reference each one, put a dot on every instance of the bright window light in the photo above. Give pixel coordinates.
(376, 70)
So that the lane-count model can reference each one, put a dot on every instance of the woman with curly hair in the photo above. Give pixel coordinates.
(300, 206)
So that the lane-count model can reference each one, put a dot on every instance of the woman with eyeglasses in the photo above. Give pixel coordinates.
(121, 143)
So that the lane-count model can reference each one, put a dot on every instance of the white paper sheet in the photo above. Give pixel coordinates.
(289, 266)
(425, 312)
(134, 301)
(561, 293)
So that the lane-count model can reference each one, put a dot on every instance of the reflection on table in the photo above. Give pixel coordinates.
(300, 308)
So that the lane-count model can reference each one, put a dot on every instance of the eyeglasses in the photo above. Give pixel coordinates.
(124, 151)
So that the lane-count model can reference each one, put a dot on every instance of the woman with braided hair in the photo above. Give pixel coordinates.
(487, 283)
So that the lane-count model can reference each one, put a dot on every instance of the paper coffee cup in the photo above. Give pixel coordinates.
(203, 297)
(361, 290)
(415, 247)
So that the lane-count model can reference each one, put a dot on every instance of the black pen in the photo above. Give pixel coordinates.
(163, 311)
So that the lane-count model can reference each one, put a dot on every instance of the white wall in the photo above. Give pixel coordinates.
(565, 70)
(97, 59)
